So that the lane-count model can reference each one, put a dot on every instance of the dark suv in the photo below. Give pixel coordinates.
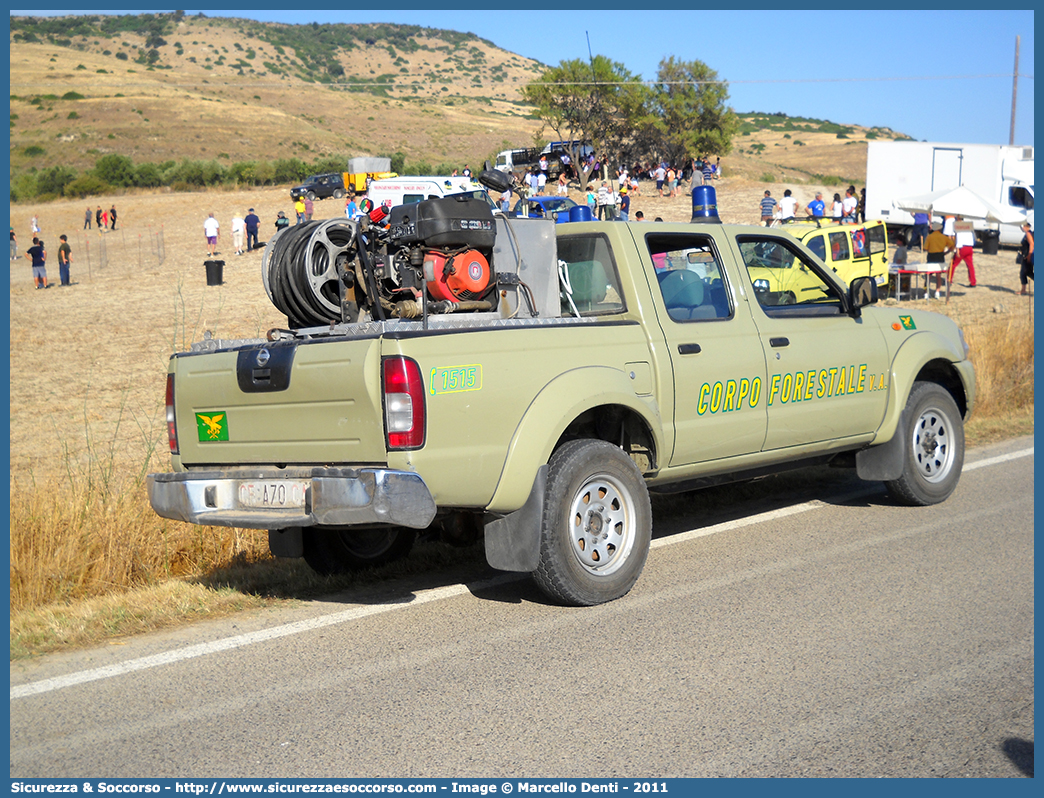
(320, 187)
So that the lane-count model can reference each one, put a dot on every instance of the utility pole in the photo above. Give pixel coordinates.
(1014, 93)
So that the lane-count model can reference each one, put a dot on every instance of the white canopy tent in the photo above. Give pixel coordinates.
(960, 201)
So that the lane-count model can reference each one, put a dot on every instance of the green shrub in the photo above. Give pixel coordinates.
(33, 151)
(75, 95)
(116, 170)
(54, 180)
(87, 185)
(73, 115)
(767, 177)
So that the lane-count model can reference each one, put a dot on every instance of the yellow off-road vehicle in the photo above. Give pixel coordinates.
(851, 250)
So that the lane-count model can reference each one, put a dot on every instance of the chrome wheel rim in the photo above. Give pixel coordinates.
(932, 443)
(602, 525)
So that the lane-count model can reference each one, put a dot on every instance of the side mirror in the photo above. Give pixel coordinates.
(862, 291)
(761, 286)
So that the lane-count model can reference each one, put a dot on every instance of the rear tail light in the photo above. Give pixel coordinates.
(172, 429)
(404, 416)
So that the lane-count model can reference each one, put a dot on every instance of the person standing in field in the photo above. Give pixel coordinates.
(768, 208)
(14, 244)
(253, 224)
(64, 259)
(87, 218)
(837, 210)
(105, 220)
(97, 218)
(1026, 258)
(309, 208)
(849, 206)
(112, 217)
(625, 204)
(211, 230)
(37, 255)
(787, 207)
(299, 209)
(965, 244)
(238, 228)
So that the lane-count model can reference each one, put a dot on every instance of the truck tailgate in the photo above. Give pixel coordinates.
(281, 403)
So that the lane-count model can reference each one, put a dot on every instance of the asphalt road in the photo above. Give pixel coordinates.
(776, 636)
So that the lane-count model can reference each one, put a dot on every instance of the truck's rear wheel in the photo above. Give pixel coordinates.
(336, 551)
(338, 193)
(934, 447)
(596, 527)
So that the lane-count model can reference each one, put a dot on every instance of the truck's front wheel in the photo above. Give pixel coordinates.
(934, 447)
(596, 527)
(335, 551)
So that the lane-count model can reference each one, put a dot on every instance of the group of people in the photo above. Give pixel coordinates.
(104, 219)
(850, 210)
(243, 227)
(957, 236)
(37, 256)
(608, 204)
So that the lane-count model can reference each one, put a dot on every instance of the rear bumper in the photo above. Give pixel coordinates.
(332, 497)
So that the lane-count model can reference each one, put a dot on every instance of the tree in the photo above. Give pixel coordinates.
(689, 113)
(116, 170)
(596, 102)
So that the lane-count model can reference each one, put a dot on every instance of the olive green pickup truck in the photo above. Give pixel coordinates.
(532, 384)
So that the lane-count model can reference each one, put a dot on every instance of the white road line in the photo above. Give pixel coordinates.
(1001, 458)
(423, 597)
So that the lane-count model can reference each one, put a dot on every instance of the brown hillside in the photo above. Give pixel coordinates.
(231, 96)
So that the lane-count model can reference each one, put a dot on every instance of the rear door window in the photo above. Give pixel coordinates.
(839, 249)
(589, 284)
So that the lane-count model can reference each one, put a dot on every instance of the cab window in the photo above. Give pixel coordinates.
(689, 276)
(785, 281)
(408, 198)
(589, 284)
(1019, 197)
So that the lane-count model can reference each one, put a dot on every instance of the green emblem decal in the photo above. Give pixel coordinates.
(907, 322)
(455, 380)
(212, 426)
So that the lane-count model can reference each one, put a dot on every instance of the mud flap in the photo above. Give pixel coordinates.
(287, 542)
(885, 462)
(513, 542)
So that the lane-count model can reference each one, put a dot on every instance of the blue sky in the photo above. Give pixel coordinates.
(935, 75)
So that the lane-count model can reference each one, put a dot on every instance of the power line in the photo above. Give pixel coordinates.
(418, 82)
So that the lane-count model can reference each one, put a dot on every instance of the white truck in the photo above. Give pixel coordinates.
(899, 169)
(526, 157)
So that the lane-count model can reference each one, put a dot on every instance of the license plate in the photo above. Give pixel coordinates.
(880, 279)
(275, 493)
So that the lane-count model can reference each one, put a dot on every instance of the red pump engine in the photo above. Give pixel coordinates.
(457, 277)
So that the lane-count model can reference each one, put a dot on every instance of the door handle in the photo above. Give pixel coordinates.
(779, 342)
(689, 349)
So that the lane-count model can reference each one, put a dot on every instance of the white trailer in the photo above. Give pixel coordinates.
(899, 169)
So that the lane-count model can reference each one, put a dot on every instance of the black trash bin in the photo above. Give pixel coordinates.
(990, 242)
(214, 270)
